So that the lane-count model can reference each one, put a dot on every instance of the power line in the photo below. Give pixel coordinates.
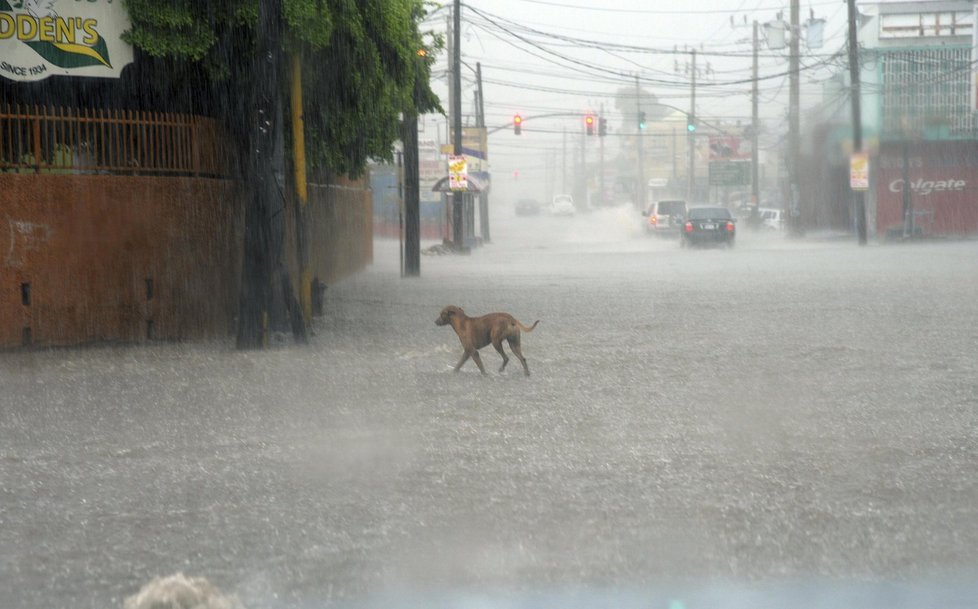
(661, 12)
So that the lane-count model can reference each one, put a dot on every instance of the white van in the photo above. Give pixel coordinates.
(664, 217)
(771, 219)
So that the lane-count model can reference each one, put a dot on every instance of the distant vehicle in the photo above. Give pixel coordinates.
(562, 205)
(711, 225)
(771, 219)
(527, 207)
(664, 217)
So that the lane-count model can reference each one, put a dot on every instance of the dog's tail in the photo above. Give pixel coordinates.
(526, 329)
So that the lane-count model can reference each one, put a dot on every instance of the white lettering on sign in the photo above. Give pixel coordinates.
(926, 187)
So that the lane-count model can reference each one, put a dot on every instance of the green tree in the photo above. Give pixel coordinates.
(360, 63)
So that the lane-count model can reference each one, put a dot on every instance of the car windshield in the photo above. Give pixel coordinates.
(709, 213)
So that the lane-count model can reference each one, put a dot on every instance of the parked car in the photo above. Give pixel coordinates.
(562, 205)
(527, 207)
(712, 225)
(664, 217)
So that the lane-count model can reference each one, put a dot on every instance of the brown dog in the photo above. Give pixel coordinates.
(476, 332)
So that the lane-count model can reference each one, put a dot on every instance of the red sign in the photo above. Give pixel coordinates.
(943, 191)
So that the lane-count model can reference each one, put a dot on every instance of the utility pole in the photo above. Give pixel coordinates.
(457, 226)
(754, 128)
(859, 197)
(412, 196)
(580, 184)
(601, 200)
(640, 187)
(563, 179)
(794, 123)
(691, 135)
(481, 123)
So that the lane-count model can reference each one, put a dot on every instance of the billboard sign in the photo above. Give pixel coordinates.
(729, 148)
(42, 38)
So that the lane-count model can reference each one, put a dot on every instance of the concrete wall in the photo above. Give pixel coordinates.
(87, 248)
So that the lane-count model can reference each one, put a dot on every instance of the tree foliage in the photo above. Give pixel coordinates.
(360, 64)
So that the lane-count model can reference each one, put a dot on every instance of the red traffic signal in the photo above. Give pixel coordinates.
(589, 123)
(517, 124)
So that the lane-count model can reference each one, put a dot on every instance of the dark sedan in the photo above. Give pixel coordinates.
(709, 226)
(527, 207)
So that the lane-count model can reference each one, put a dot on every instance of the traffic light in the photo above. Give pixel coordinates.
(602, 127)
(517, 124)
(690, 124)
(589, 123)
(641, 120)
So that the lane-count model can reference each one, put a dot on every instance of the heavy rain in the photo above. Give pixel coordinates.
(224, 249)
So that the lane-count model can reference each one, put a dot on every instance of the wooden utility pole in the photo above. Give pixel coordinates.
(691, 134)
(859, 197)
(412, 195)
(640, 154)
(458, 239)
(481, 124)
(755, 127)
(794, 123)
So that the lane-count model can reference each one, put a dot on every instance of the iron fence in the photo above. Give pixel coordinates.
(42, 139)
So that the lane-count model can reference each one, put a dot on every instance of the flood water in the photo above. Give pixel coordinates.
(787, 423)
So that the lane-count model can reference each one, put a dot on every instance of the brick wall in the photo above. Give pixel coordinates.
(94, 258)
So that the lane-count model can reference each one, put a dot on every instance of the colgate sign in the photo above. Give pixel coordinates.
(924, 187)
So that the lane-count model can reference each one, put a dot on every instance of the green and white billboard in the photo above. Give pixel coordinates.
(42, 38)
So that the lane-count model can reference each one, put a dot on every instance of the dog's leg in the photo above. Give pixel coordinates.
(498, 345)
(514, 345)
(465, 357)
(478, 360)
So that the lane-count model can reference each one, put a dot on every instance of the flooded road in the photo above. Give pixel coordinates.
(784, 423)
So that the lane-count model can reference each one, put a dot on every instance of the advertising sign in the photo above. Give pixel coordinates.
(942, 185)
(474, 145)
(859, 171)
(42, 38)
(430, 166)
(458, 173)
(729, 148)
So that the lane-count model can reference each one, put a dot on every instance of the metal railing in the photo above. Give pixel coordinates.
(58, 140)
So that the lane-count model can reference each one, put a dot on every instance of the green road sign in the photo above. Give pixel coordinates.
(729, 173)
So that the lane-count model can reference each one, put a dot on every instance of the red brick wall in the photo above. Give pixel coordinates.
(87, 244)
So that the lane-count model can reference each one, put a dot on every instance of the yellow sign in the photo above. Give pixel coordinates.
(458, 173)
(859, 171)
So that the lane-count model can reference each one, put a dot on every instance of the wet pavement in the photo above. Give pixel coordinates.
(787, 423)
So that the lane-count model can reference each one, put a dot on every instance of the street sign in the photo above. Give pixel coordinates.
(729, 173)
(859, 171)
